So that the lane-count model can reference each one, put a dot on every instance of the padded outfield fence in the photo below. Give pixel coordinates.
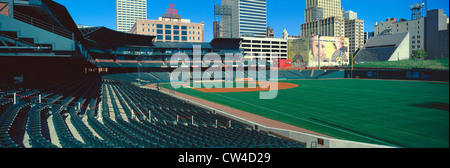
(407, 74)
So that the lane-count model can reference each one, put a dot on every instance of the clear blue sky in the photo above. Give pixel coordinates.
(280, 13)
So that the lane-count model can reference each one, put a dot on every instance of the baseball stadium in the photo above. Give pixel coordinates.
(68, 87)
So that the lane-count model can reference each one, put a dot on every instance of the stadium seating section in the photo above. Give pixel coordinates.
(111, 112)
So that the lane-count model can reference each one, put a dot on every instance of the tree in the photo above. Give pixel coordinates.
(419, 54)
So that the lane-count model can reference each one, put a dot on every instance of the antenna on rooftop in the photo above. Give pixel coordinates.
(419, 10)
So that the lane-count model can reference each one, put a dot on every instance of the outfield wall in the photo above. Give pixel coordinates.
(409, 74)
(310, 140)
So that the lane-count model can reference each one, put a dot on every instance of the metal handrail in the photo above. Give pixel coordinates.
(18, 39)
(42, 24)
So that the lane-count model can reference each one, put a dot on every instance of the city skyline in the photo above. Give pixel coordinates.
(280, 14)
(70, 86)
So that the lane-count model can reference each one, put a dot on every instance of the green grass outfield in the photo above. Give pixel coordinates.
(411, 114)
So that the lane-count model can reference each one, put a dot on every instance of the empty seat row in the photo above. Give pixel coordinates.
(121, 120)
(166, 132)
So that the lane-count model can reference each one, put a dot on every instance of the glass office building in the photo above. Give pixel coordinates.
(127, 11)
(249, 17)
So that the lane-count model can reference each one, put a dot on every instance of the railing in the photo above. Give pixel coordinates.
(42, 24)
(18, 40)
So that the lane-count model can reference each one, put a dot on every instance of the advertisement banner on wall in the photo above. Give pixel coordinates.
(304, 52)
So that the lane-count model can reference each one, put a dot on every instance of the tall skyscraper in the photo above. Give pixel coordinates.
(331, 20)
(127, 11)
(330, 8)
(249, 17)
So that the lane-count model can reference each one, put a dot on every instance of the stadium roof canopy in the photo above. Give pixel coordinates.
(47, 15)
(105, 36)
(392, 47)
(217, 43)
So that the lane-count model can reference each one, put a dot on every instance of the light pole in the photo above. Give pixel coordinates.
(351, 76)
(319, 17)
(139, 61)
